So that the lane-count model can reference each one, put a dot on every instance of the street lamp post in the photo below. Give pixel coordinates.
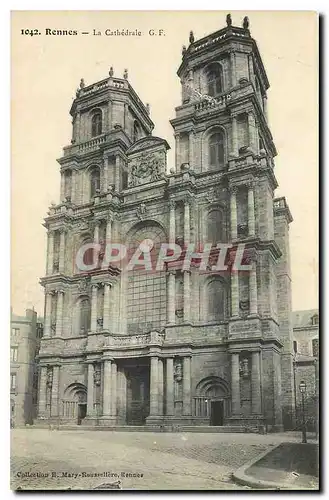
(302, 388)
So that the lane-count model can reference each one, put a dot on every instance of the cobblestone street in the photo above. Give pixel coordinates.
(140, 460)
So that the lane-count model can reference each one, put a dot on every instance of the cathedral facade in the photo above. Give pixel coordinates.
(173, 344)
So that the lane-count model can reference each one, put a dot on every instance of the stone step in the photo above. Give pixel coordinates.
(151, 428)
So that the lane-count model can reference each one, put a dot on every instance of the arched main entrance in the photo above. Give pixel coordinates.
(75, 402)
(212, 400)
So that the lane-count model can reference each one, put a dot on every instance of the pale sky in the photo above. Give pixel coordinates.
(46, 71)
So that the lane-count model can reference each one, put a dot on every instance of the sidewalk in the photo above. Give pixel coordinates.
(287, 466)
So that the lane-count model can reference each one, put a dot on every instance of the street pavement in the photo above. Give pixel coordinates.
(58, 460)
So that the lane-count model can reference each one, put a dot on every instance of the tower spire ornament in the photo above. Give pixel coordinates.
(191, 37)
(229, 20)
(246, 23)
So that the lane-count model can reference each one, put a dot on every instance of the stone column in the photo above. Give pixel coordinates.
(48, 312)
(234, 214)
(172, 222)
(171, 299)
(106, 307)
(191, 148)
(251, 210)
(78, 127)
(187, 407)
(252, 132)
(177, 153)
(187, 224)
(256, 402)
(93, 322)
(154, 374)
(109, 230)
(62, 195)
(253, 309)
(265, 108)
(55, 392)
(96, 232)
(234, 294)
(73, 185)
(59, 313)
(107, 386)
(169, 386)
(62, 251)
(42, 392)
(117, 174)
(50, 256)
(160, 387)
(90, 390)
(187, 295)
(105, 178)
(235, 384)
(114, 388)
(235, 144)
(233, 68)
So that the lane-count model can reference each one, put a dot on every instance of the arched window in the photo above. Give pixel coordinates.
(136, 131)
(94, 181)
(216, 150)
(315, 348)
(96, 124)
(214, 80)
(216, 300)
(84, 315)
(215, 227)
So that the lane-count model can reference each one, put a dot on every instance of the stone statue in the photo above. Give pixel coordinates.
(183, 50)
(178, 375)
(125, 74)
(246, 23)
(97, 377)
(49, 377)
(141, 210)
(244, 368)
(229, 20)
(191, 37)
(82, 83)
(111, 72)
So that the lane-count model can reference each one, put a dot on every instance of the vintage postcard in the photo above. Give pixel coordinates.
(164, 322)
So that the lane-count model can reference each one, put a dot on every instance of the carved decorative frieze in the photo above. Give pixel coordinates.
(148, 167)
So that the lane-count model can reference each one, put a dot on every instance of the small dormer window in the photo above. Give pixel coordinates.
(315, 320)
(96, 124)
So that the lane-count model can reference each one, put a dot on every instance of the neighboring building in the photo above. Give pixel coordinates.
(24, 346)
(172, 346)
(306, 362)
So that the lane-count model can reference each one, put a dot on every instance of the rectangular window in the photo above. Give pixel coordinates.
(15, 332)
(13, 381)
(13, 354)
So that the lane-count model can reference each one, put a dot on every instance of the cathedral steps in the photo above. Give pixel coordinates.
(149, 428)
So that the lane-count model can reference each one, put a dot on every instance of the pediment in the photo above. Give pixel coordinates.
(149, 142)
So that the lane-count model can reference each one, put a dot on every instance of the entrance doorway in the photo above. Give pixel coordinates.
(82, 411)
(138, 404)
(217, 413)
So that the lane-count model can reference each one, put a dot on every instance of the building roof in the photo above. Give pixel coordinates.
(303, 318)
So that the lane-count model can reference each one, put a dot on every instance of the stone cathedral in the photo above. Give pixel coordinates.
(174, 346)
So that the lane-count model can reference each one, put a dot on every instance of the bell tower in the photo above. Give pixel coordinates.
(223, 139)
